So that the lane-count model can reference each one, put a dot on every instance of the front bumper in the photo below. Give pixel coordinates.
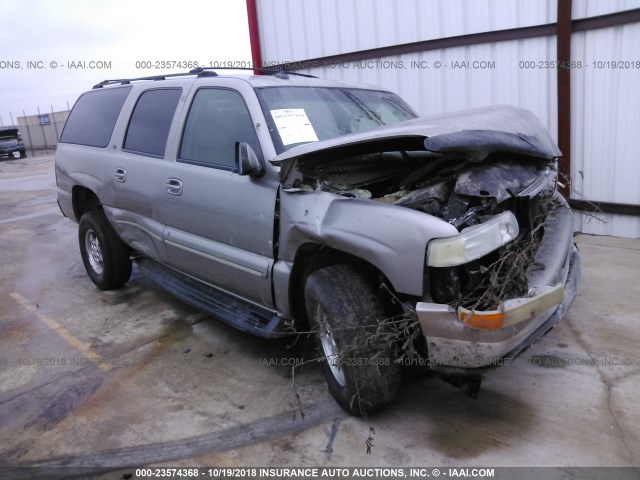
(456, 348)
(7, 150)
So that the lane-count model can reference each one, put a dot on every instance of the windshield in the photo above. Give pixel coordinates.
(298, 115)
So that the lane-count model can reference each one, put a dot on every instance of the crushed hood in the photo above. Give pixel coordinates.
(473, 134)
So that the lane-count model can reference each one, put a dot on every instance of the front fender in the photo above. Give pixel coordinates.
(392, 238)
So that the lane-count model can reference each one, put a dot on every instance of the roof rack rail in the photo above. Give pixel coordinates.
(200, 72)
(126, 81)
(279, 73)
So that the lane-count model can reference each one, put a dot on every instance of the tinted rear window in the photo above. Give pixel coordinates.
(151, 120)
(93, 117)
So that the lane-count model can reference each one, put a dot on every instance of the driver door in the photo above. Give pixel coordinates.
(219, 224)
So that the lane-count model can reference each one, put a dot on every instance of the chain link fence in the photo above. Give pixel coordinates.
(39, 131)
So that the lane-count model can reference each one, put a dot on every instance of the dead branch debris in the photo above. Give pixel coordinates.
(506, 277)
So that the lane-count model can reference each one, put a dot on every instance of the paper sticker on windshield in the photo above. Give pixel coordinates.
(294, 126)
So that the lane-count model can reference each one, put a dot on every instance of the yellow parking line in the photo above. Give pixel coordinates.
(63, 332)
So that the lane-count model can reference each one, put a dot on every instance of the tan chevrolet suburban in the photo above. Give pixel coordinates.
(282, 203)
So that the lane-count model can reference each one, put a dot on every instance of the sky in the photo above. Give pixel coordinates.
(52, 51)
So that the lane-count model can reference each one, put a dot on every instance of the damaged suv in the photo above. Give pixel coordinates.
(283, 204)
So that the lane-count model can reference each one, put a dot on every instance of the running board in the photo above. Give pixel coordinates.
(230, 310)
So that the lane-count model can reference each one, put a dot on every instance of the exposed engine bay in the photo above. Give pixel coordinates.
(452, 188)
(461, 192)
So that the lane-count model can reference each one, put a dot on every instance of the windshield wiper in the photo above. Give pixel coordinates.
(399, 106)
(373, 115)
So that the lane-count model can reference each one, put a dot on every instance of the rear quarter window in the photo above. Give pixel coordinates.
(94, 116)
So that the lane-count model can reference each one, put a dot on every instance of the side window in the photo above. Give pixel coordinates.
(151, 120)
(93, 117)
(218, 118)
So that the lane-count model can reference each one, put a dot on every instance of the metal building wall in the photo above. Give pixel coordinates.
(606, 120)
(605, 105)
(605, 128)
(294, 30)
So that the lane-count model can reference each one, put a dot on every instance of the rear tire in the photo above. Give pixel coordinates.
(105, 256)
(346, 314)
(23, 154)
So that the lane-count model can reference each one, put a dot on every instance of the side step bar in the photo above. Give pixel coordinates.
(232, 311)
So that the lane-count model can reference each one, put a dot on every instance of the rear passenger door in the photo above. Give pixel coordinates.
(138, 171)
(220, 224)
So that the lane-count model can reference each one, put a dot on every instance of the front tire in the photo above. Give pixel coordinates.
(105, 256)
(358, 360)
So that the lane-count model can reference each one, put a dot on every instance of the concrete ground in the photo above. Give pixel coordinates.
(136, 377)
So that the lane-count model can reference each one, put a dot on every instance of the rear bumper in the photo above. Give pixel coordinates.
(455, 348)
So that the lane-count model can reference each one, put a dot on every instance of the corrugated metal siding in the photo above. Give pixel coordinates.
(297, 30)
(605, 103)
(606, 224)
(605, 159)
(589, 8)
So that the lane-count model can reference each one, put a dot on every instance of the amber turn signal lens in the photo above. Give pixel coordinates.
(485, 320)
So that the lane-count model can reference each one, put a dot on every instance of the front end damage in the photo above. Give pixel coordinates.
(483, 290)
(496, 321)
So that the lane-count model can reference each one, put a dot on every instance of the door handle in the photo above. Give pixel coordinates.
(174, 186)
(121, 175)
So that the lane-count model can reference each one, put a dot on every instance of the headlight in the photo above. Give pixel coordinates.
(473, 242)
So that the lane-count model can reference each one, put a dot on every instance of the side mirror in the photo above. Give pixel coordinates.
(247, 162)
